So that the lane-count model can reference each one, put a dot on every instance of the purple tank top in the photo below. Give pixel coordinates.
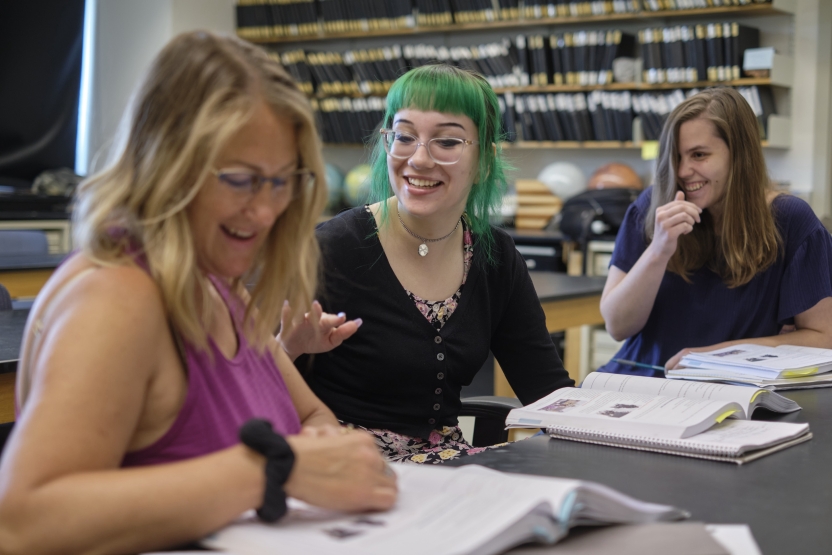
(222, 395)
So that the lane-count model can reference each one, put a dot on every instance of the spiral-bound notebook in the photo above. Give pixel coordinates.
(735, 441)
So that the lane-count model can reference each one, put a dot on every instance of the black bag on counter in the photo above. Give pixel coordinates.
(595, 213)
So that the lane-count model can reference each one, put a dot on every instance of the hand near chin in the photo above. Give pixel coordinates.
(674, 219)
(340, 469)
(315, 332)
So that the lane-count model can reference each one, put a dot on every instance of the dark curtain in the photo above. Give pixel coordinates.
(40, 75)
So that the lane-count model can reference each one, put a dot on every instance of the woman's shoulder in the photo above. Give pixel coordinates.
(82, 276)
(351, 223)
(795, 218)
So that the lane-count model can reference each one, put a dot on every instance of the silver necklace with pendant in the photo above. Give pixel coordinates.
(423, 248)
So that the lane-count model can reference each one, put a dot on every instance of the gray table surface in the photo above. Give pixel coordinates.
(30, 261)
(786, 497)
(553, 286)
(12, 323)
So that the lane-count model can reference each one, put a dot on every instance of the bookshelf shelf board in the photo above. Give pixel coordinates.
(534, 145)
(598, 145)
(646, 16)
(745, 82)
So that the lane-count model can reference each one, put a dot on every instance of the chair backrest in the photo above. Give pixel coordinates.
(13, 242)
(490, 414)
(5, 298)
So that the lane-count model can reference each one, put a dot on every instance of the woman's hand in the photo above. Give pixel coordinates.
(340, 469)
(316, 332)
(674, 219)
(674, 361)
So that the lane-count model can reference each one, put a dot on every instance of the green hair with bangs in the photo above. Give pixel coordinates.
(449, 89)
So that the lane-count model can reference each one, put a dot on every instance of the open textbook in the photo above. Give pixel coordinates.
(736, 441)
(748, 398)
(737, 378)
(760, 361)
(458, 511)
(637, 405)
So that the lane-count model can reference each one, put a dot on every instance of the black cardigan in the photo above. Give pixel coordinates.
(397, 372)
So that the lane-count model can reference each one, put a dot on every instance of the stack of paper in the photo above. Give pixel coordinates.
(782, 367)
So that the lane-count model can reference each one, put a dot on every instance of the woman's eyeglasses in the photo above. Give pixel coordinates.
(443, 150)
(247, 184)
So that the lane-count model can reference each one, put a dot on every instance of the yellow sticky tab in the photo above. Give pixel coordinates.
(724, 415)
(649, 150)
(754, 397)
(800, 373)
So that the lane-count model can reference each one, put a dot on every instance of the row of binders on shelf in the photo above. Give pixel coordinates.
(692, 53)
(571, 58)
(348, 120)
(620, 116)
(278, 19)
(579, 58)
(595, 116)
(607, 115)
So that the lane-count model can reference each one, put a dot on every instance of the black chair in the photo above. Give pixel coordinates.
(490, 417)
(5, 432)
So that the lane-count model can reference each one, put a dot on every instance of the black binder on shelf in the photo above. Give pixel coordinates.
(523, 60)
(506, 102)
(742, 38)
(550, 120)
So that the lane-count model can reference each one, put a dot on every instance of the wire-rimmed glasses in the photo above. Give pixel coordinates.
(246, 184)
(442, 150)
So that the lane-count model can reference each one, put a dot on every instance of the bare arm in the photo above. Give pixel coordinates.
(628, 297)
(311, 410)
(813, 328)
(89, 387)
(61, 488)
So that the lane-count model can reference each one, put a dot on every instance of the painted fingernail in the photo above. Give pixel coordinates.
(286, 302)
(341, 314)
(358, 322)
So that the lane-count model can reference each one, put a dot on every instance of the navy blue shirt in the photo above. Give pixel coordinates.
(706, 311)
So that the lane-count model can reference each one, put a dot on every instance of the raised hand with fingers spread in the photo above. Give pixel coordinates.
(314, 332)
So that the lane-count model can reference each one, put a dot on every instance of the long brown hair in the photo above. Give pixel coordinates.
(199, 91)
(747, 241)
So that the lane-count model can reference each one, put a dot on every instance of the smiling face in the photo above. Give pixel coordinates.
(704, 164)
(228, 228)
(423, 187)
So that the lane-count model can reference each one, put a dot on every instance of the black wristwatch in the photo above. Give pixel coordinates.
(259, 435)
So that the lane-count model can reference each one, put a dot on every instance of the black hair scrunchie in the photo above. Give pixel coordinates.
(259, 435)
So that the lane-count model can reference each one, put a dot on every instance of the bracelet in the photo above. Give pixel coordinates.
(259, 435)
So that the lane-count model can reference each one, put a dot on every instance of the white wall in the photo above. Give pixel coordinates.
(128, 34)
(806, 165)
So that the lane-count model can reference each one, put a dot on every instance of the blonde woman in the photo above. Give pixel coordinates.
(711, 256)
(144, 355)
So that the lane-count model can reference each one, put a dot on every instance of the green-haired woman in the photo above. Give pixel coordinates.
(434, 285)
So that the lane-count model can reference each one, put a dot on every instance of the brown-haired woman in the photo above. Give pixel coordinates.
(711, 255)
(144, 357)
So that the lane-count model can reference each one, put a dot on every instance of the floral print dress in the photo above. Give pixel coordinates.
(447, 443)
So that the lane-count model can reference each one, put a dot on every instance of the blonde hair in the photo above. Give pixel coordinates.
(747, 241)
(199, 91)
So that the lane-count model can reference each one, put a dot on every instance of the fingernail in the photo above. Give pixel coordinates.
(358, 322)
(341, 314)
(286, 302)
